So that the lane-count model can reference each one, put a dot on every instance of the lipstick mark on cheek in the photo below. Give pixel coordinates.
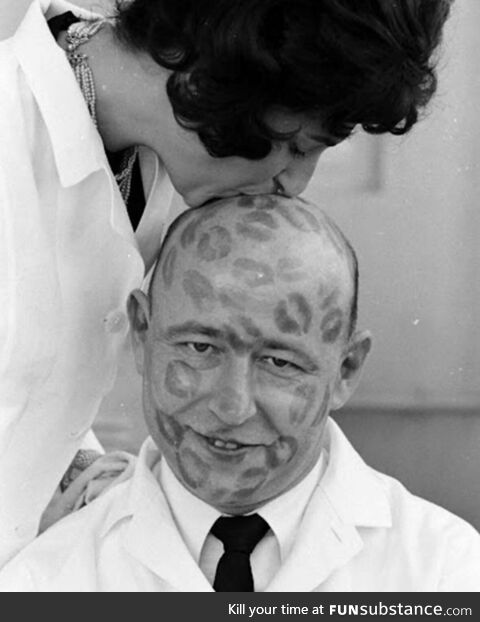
(322, 412)
(332, 325)
(194, 471)
(170, 429)
(199, 289)
(181, 380)
(281, 452)
(302, 401)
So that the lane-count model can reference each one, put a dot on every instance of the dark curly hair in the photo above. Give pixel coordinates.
(347, 62)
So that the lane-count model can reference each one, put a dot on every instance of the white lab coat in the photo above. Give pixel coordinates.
(68, 260)
(361, 532)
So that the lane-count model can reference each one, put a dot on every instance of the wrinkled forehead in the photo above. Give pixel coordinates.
(253, 249)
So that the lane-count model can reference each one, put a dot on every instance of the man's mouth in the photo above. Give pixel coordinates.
(227, 445)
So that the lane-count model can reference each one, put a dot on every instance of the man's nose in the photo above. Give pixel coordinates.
(233, 400)
(294, 178)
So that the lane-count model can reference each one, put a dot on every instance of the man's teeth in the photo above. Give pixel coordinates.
(216, 442)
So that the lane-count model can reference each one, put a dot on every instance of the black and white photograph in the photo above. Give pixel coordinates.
(240, 298)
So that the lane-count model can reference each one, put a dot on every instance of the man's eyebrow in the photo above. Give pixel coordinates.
(180, 330)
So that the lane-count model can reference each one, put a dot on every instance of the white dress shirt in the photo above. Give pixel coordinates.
(68, 260)
(195, 518)
(361, 531)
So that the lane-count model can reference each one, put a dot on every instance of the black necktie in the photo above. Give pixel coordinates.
(240, 535)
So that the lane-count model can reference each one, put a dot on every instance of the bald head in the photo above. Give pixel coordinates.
(262, 241)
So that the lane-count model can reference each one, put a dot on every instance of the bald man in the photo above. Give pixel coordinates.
(246, 341)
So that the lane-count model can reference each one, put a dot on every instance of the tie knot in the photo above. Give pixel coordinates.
(240, 534)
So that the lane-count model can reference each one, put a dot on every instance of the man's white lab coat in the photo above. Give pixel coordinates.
(361, 532)
(68, 260)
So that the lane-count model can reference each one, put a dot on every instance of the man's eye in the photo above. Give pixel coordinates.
(279, 363)
(199, 347)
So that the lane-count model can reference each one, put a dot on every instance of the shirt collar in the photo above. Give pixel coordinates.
(77, 146)
(283, 514)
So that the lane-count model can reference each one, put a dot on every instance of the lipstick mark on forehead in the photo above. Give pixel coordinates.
(239, 345)
(253, 273)
(323, 410)
(215, 244)
(301, 404)
(181, 380)
(168, 267)
(332, 325)
(239, 300)
(249, 327)
(290, 270)
(294, 315)
(199, 289)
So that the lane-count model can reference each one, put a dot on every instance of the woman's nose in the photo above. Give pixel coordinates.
(294, 178)
(232, 400)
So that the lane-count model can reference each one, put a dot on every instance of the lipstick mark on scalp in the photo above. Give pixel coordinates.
(181, 380)
(289, 270)
(303, 398)
(299, 218)
(199, 289)
(265, 201)
(215, 244)
(187, 237)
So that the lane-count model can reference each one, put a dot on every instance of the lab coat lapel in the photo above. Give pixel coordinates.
(323, 544)
(154, 540)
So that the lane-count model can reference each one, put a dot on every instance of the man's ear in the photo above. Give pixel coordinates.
(351, 368)
(139, 314)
